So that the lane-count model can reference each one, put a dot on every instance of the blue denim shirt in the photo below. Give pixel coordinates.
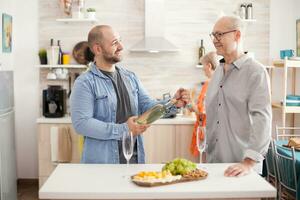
(93, 112)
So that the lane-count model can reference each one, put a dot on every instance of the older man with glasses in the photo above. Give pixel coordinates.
(238, 103)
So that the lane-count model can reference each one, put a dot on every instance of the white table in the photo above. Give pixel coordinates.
(93, 181)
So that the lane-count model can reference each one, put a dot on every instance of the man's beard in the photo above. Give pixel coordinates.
(111, 59)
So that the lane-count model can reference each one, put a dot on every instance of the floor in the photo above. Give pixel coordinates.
(28, 189)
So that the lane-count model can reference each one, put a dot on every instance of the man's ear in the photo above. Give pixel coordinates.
(97, 49)
(238, 35)
(209, 66)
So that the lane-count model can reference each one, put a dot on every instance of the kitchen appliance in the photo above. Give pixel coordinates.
(8, 177)
(154, 40)
(54, 101)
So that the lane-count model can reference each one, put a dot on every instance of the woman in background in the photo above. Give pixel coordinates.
(210, 61)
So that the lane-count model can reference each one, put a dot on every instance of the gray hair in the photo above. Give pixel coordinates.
(235, 23)
(212, 58)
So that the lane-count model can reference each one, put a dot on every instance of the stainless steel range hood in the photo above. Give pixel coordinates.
(154, 40)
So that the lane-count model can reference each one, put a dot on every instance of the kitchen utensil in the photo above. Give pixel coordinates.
(70, 80)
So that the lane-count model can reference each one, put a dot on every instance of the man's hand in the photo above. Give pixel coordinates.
(135, 128)
(182, 96)
(240, 169)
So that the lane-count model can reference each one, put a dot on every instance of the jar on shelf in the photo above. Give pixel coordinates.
(249, 11)
(243, 11)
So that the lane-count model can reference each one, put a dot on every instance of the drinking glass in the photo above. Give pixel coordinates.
(201, 140)
(127, 145)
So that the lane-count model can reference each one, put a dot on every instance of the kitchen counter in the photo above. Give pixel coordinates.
(67, 120)
(96, 181)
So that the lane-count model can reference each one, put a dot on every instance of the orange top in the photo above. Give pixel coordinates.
(201, 119)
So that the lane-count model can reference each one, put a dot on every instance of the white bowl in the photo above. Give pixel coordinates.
(51, 76)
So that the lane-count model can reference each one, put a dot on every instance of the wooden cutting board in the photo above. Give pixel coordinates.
(182, 180)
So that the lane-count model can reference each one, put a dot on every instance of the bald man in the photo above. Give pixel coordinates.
(106, 100)
(238, 103)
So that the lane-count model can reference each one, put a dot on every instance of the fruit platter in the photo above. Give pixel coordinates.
(176, 171)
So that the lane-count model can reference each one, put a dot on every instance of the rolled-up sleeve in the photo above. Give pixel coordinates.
(82, 109)
(260, 115)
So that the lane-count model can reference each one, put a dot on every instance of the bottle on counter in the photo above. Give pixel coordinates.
(155, 113)
(60, 54)
(249, 11)
(201, 51)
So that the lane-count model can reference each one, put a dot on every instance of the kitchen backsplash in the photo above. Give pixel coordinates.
(186, 22)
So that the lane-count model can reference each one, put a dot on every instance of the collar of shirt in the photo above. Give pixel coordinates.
(237, 63)
(97, 72)
(240, 61)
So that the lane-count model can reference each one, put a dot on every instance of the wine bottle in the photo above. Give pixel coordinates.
(201, 51)
(60, 53)
(155, 113)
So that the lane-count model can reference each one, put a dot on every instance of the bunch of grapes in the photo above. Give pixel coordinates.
(179, 166)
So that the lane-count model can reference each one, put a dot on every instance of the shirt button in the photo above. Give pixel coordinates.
(221, 86)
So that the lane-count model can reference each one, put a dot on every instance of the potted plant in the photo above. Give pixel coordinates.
(43, 56)
(91, 13)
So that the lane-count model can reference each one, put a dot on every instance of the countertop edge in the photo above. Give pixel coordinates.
(173, 121)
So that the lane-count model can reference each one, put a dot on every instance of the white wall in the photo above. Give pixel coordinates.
(6, 59)
(297, 7)
(185, 24)
(283, 15)
(282, 25)
(26, 87)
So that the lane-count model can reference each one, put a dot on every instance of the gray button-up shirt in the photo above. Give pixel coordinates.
(239, 115)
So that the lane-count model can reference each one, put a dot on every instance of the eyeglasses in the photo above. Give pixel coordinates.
(219, 35)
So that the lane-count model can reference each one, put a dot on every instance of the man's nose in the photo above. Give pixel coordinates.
(120, 46)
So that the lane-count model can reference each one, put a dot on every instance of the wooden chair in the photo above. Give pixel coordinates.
(286, 170)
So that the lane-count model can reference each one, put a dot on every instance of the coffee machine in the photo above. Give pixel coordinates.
(54, 101)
